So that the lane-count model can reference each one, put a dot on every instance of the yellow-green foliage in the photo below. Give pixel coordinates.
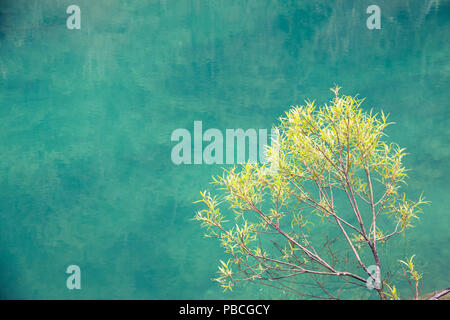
(412, 276)
(322, 151)
(392, 292)
(411, 271)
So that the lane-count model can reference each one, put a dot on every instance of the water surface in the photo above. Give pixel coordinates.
(86, 117)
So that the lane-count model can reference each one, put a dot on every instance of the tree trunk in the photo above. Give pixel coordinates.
(439, 294)
(381, 293)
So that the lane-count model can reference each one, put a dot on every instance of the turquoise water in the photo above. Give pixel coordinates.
(86, 117)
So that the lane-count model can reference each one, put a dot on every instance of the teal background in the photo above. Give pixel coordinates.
(86, 117)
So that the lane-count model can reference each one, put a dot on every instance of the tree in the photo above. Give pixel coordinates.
(333, 168)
